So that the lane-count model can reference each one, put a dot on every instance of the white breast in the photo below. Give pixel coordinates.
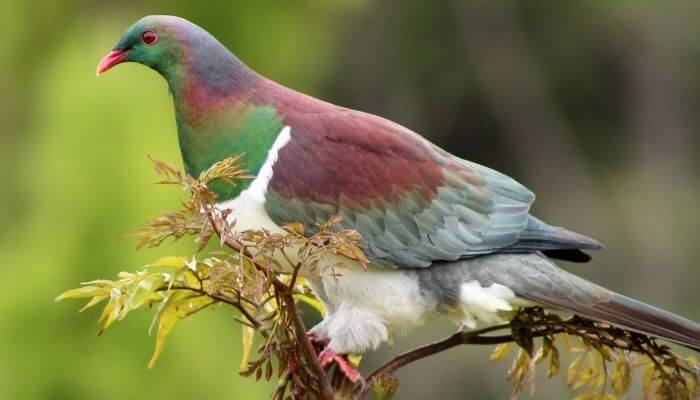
(393, 295)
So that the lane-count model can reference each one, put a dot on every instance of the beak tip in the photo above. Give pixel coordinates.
(113, 58)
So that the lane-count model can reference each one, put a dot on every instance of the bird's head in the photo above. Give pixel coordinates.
(176, 48)
(157, 41)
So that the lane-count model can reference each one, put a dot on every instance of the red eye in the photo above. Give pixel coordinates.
(149, 37)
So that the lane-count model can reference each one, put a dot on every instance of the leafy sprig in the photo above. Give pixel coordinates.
(605, 358)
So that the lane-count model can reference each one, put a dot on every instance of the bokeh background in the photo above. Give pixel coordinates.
(593, 105)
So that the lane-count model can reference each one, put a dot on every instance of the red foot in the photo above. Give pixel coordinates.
(328, 356)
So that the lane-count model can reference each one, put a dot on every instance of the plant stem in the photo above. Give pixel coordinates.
(456, 339)
(325, 389)
(281, 389)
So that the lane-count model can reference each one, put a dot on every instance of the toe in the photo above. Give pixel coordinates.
(327, 357)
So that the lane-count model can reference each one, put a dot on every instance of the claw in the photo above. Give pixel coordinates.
(328, 356)
(315, 342)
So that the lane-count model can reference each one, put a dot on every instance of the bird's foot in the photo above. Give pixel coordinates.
(327, 357)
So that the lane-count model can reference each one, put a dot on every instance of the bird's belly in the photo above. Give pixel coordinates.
(391, 295)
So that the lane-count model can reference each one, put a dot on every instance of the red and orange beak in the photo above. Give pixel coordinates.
(113, 58)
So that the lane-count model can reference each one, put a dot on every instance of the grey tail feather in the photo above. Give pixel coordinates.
(535, 278)
(555, 242)
(630, 314)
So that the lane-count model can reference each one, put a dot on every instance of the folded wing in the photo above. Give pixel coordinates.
(413, 203)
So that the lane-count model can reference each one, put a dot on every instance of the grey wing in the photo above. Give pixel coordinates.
(476, 211)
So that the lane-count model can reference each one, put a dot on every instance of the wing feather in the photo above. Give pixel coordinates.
(413, 203)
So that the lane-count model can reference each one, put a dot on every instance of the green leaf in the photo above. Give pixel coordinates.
(573, 370)
(621, 378)
(203, 268)
(184, 275)
(583, 378)
(553, 366)
(143, 290)
(178, 305)
(247, 334)
(500, 351)
(547, 344)
(103, 283)
(93, 302)
(600, 380)
(112, 310)
(85, 291)
(167, 265)
(646, 380)
(355, 359)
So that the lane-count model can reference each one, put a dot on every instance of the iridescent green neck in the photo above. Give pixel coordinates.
(222, 131)
(214, 119)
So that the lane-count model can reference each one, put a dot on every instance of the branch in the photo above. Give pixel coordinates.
(534, 323)
(326, 391)
(457, 339)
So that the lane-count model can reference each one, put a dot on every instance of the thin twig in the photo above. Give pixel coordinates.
(254, 322)
(456, 339)
(281, 388)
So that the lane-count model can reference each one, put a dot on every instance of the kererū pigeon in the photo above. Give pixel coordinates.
(444, 235)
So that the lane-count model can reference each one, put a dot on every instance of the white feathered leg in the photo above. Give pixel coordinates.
(350, 330)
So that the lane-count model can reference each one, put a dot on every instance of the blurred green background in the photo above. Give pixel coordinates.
(593, 105)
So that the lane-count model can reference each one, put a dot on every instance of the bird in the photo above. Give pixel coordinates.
(443, 235)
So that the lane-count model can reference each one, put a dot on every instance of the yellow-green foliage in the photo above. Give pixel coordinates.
(252, 279)
(605, 359)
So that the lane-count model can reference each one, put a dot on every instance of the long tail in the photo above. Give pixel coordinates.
(535, 278)
(631, 314)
